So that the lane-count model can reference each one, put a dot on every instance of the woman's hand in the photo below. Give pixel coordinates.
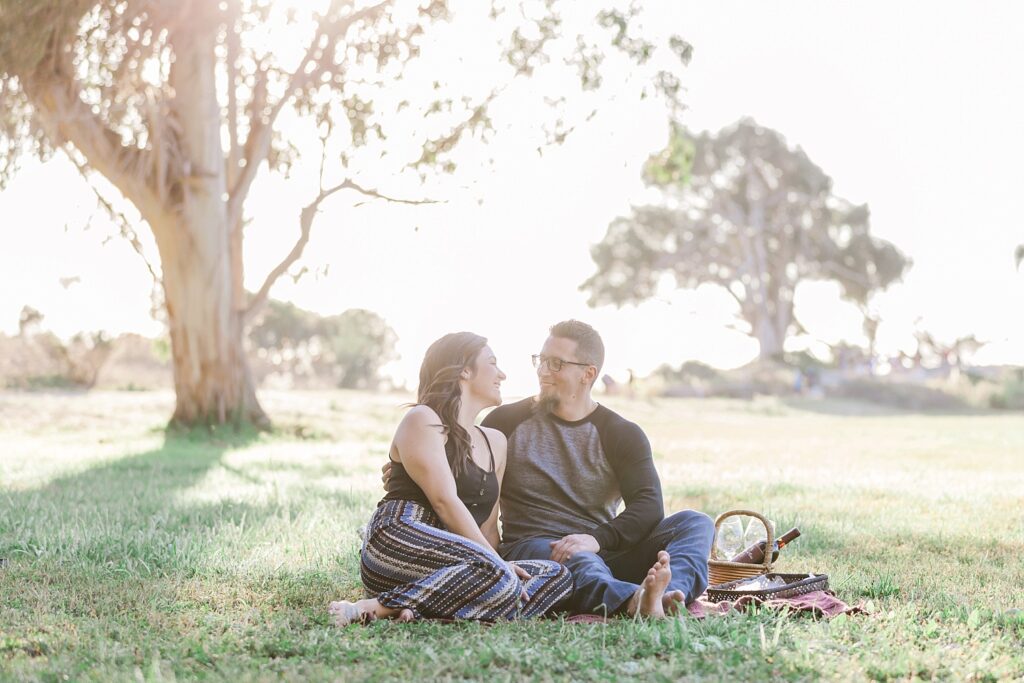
(523, 576)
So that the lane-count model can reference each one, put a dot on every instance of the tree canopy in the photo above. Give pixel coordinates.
(744, 210)
(177, 105)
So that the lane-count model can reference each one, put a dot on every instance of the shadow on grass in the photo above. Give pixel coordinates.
(120, 539)
(73, 516)
(127, 515)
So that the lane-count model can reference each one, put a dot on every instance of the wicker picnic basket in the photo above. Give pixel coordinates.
(796, 584)
(721, 571)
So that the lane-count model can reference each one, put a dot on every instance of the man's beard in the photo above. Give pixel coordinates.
(547, 401)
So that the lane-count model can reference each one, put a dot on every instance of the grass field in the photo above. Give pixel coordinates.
(132, 556)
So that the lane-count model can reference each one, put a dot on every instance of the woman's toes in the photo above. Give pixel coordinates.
(344, 613)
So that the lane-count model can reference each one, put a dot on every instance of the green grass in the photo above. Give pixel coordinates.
(132, 556)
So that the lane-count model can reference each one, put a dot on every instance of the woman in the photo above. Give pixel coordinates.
(430, 547)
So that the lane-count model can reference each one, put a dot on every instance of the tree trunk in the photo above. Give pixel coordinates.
(769, 338)
(769, 323)
(200, 258)
(212, 379)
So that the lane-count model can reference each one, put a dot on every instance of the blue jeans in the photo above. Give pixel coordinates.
(605, 581)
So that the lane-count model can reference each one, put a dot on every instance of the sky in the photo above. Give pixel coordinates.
(913, 108)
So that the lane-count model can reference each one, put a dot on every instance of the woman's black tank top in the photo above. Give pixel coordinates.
(477, 488)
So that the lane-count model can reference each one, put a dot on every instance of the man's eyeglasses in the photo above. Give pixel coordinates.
(554, 364)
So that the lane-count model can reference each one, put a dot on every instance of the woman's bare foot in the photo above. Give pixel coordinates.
(653, 587)
(344, 612)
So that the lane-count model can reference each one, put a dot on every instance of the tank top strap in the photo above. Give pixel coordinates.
(488, 442)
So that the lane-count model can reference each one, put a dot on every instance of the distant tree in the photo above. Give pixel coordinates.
(351, 348)
(690, 370)
(360, 343)
(85, 356)
(283, 325)
(742, 210)
(847, 356)
(176, 106)
(76, 362)
(948, 354)
(29, 321)
(1018, 255)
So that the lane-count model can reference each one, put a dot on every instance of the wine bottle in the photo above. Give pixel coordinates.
(755, 553)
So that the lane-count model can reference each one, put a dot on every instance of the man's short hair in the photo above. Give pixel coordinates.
(589, 347)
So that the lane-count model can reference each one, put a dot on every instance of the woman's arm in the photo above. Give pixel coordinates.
(420, 446)
(499, 444)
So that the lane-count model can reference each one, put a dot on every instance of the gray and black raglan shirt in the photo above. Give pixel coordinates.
(566, 477)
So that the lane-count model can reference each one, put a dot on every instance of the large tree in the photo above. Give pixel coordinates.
(742, 209)
(177, 105)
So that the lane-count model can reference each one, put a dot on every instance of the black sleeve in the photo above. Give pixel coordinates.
(507, 417)
(629, 453)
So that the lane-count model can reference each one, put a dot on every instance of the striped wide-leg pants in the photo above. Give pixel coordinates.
(410, 561)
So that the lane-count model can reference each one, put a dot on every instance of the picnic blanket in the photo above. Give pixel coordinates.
(819, 604)
(822, 604)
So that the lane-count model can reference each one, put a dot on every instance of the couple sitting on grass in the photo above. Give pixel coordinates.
(561, 464)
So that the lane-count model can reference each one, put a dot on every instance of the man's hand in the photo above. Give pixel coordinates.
(567, 546)
(385, 473)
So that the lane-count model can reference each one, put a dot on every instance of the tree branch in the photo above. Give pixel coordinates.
(257, 144)
(118, 217)
(368, 192)
(841, 271)
(305, 224)
(725, 285)
(446, 142)
(232, 74)
(68, 120)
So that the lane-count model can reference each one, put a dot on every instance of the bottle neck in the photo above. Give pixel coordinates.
(787, 537)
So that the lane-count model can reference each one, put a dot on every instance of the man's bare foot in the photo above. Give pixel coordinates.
(650, 599)
(405, 616)
(654, 586)
(674, 602)
(344, 612)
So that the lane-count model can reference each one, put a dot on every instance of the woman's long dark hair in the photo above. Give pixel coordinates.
(439, 388)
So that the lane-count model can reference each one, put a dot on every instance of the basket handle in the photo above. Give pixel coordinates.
(745, 513)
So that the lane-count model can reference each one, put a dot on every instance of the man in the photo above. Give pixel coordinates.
(570, 463)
